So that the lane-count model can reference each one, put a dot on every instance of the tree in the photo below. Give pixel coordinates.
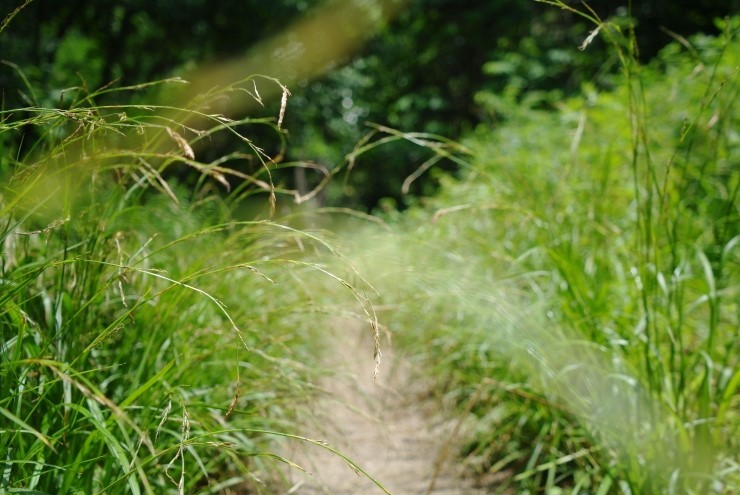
(441, 66)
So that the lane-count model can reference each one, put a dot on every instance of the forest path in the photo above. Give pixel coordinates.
(385, 426)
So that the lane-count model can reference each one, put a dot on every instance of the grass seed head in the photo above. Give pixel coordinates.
(283, 104)
(185, 148)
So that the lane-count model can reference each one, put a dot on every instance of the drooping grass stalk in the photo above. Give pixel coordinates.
(152, 341)
(600, 301)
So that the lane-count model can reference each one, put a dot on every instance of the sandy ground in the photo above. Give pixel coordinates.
(385, 426)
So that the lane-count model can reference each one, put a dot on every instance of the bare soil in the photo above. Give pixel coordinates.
(385, 426)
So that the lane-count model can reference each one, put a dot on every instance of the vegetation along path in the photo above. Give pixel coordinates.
(385, 426)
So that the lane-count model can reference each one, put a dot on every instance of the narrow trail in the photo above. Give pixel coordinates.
(384, 426)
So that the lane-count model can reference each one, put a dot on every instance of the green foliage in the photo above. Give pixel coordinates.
(576, 289)
(152, 341)
(441, 66)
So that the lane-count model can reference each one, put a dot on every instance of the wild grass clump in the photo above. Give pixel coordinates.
(152, 340)
(577, 288)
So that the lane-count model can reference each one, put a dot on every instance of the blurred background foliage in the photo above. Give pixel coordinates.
(440, 66)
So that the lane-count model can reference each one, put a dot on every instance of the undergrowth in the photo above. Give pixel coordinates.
(574, 292)
(152, 340)
(576, 289)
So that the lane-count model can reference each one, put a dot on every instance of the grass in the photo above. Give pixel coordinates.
(579, 282)
(573, 292)
(152, 340)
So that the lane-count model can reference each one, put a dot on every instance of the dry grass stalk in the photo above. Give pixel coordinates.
(283, 104)
(185, 148)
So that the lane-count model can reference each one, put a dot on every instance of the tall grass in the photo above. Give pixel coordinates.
(577, 288)
(574, 292)
(152, 340)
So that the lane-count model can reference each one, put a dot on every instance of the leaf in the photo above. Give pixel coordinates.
(26, 427)
(146, 386)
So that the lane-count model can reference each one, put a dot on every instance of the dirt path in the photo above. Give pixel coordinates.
(383, 426)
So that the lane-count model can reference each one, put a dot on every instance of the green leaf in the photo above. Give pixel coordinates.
(25, 426)
(146, 386)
